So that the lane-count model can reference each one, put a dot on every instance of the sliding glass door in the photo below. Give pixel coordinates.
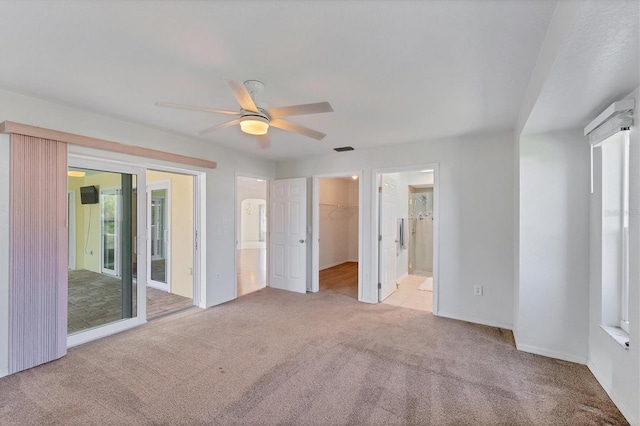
(103, 289)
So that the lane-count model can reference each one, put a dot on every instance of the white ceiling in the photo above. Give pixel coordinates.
(394, 71)
(598, 63)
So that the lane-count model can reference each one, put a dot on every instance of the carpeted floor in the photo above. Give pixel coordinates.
(275, 357)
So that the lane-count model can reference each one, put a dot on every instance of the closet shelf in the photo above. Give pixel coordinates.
(346, 211)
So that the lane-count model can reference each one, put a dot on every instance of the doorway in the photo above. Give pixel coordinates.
(407, 237)
(170, 242)
(251, 234)
(336, 238)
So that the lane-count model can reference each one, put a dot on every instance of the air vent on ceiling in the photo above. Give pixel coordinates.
(344, 148)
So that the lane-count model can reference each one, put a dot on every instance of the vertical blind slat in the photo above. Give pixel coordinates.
(38, 252)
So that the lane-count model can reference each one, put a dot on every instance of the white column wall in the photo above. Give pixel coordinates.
(554, 245)
(616, 368)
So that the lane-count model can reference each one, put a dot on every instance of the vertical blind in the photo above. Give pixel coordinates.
(39, 252)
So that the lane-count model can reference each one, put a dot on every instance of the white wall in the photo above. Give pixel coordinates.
(220, 183)
(476, 230)
(338, 228)
(554, 245)
(617, 369)
(352, 200)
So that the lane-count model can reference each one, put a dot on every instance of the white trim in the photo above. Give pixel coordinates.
(315, 230)
(160, 185)
(104, 331)
(551, 354)
(236, 215)
(336, 264)
(375, 178)
(474, 320)
(71, 227)
(607, 384)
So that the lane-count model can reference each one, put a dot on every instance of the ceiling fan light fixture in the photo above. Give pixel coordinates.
(254, 125)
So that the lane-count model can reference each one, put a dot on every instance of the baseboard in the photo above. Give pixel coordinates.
(334, 264)
(606, 385)
(550, 354)
(402, 277)
(4, 372)
(475, 320)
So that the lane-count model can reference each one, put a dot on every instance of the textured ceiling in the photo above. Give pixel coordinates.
(597, 64)
(394, 71)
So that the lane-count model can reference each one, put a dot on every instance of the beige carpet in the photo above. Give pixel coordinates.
(274, 357)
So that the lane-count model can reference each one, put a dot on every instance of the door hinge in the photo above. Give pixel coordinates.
(379, 286)
(380, 189)
(196, 240)
(379, 237)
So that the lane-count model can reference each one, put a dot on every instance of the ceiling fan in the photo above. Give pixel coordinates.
(255, 117)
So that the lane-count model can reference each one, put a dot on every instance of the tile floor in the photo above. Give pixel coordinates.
(409, 296)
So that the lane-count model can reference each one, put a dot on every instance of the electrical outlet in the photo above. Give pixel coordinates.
(477, 290)
(189, 271)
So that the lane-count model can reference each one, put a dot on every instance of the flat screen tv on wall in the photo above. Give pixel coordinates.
(89, 194)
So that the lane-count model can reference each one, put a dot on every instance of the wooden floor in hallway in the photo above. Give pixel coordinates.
(341, 279)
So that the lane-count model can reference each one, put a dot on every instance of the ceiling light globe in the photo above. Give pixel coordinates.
(254, 125)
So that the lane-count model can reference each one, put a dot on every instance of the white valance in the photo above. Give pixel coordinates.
(619, 116)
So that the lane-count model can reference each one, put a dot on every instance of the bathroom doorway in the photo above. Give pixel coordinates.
(406, 237)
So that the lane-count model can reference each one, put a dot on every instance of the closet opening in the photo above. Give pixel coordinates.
(336, 249)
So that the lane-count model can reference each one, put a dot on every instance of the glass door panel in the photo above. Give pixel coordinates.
(101, 288)
(159, 224)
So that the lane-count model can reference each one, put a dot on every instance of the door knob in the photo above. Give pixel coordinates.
(302, 241)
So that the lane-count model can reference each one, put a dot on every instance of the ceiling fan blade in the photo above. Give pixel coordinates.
(299, 110)
(219, 126)
(264, 141)
(242, 95)
(291, 127)
(196, 108)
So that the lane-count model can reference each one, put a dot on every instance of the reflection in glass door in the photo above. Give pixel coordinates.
(101, 288)
(159, 224)
(110, 218)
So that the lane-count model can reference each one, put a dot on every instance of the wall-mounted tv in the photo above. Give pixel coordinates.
(89, 195)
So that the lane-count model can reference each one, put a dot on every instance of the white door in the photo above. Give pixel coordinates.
(288, 239)
(110, 221)
(158, 231)
(388, 241)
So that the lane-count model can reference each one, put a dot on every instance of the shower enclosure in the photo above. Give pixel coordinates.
(420, 231)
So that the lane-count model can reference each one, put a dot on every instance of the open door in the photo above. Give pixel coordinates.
(388, 237)
(158, 231)
(288, 224)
